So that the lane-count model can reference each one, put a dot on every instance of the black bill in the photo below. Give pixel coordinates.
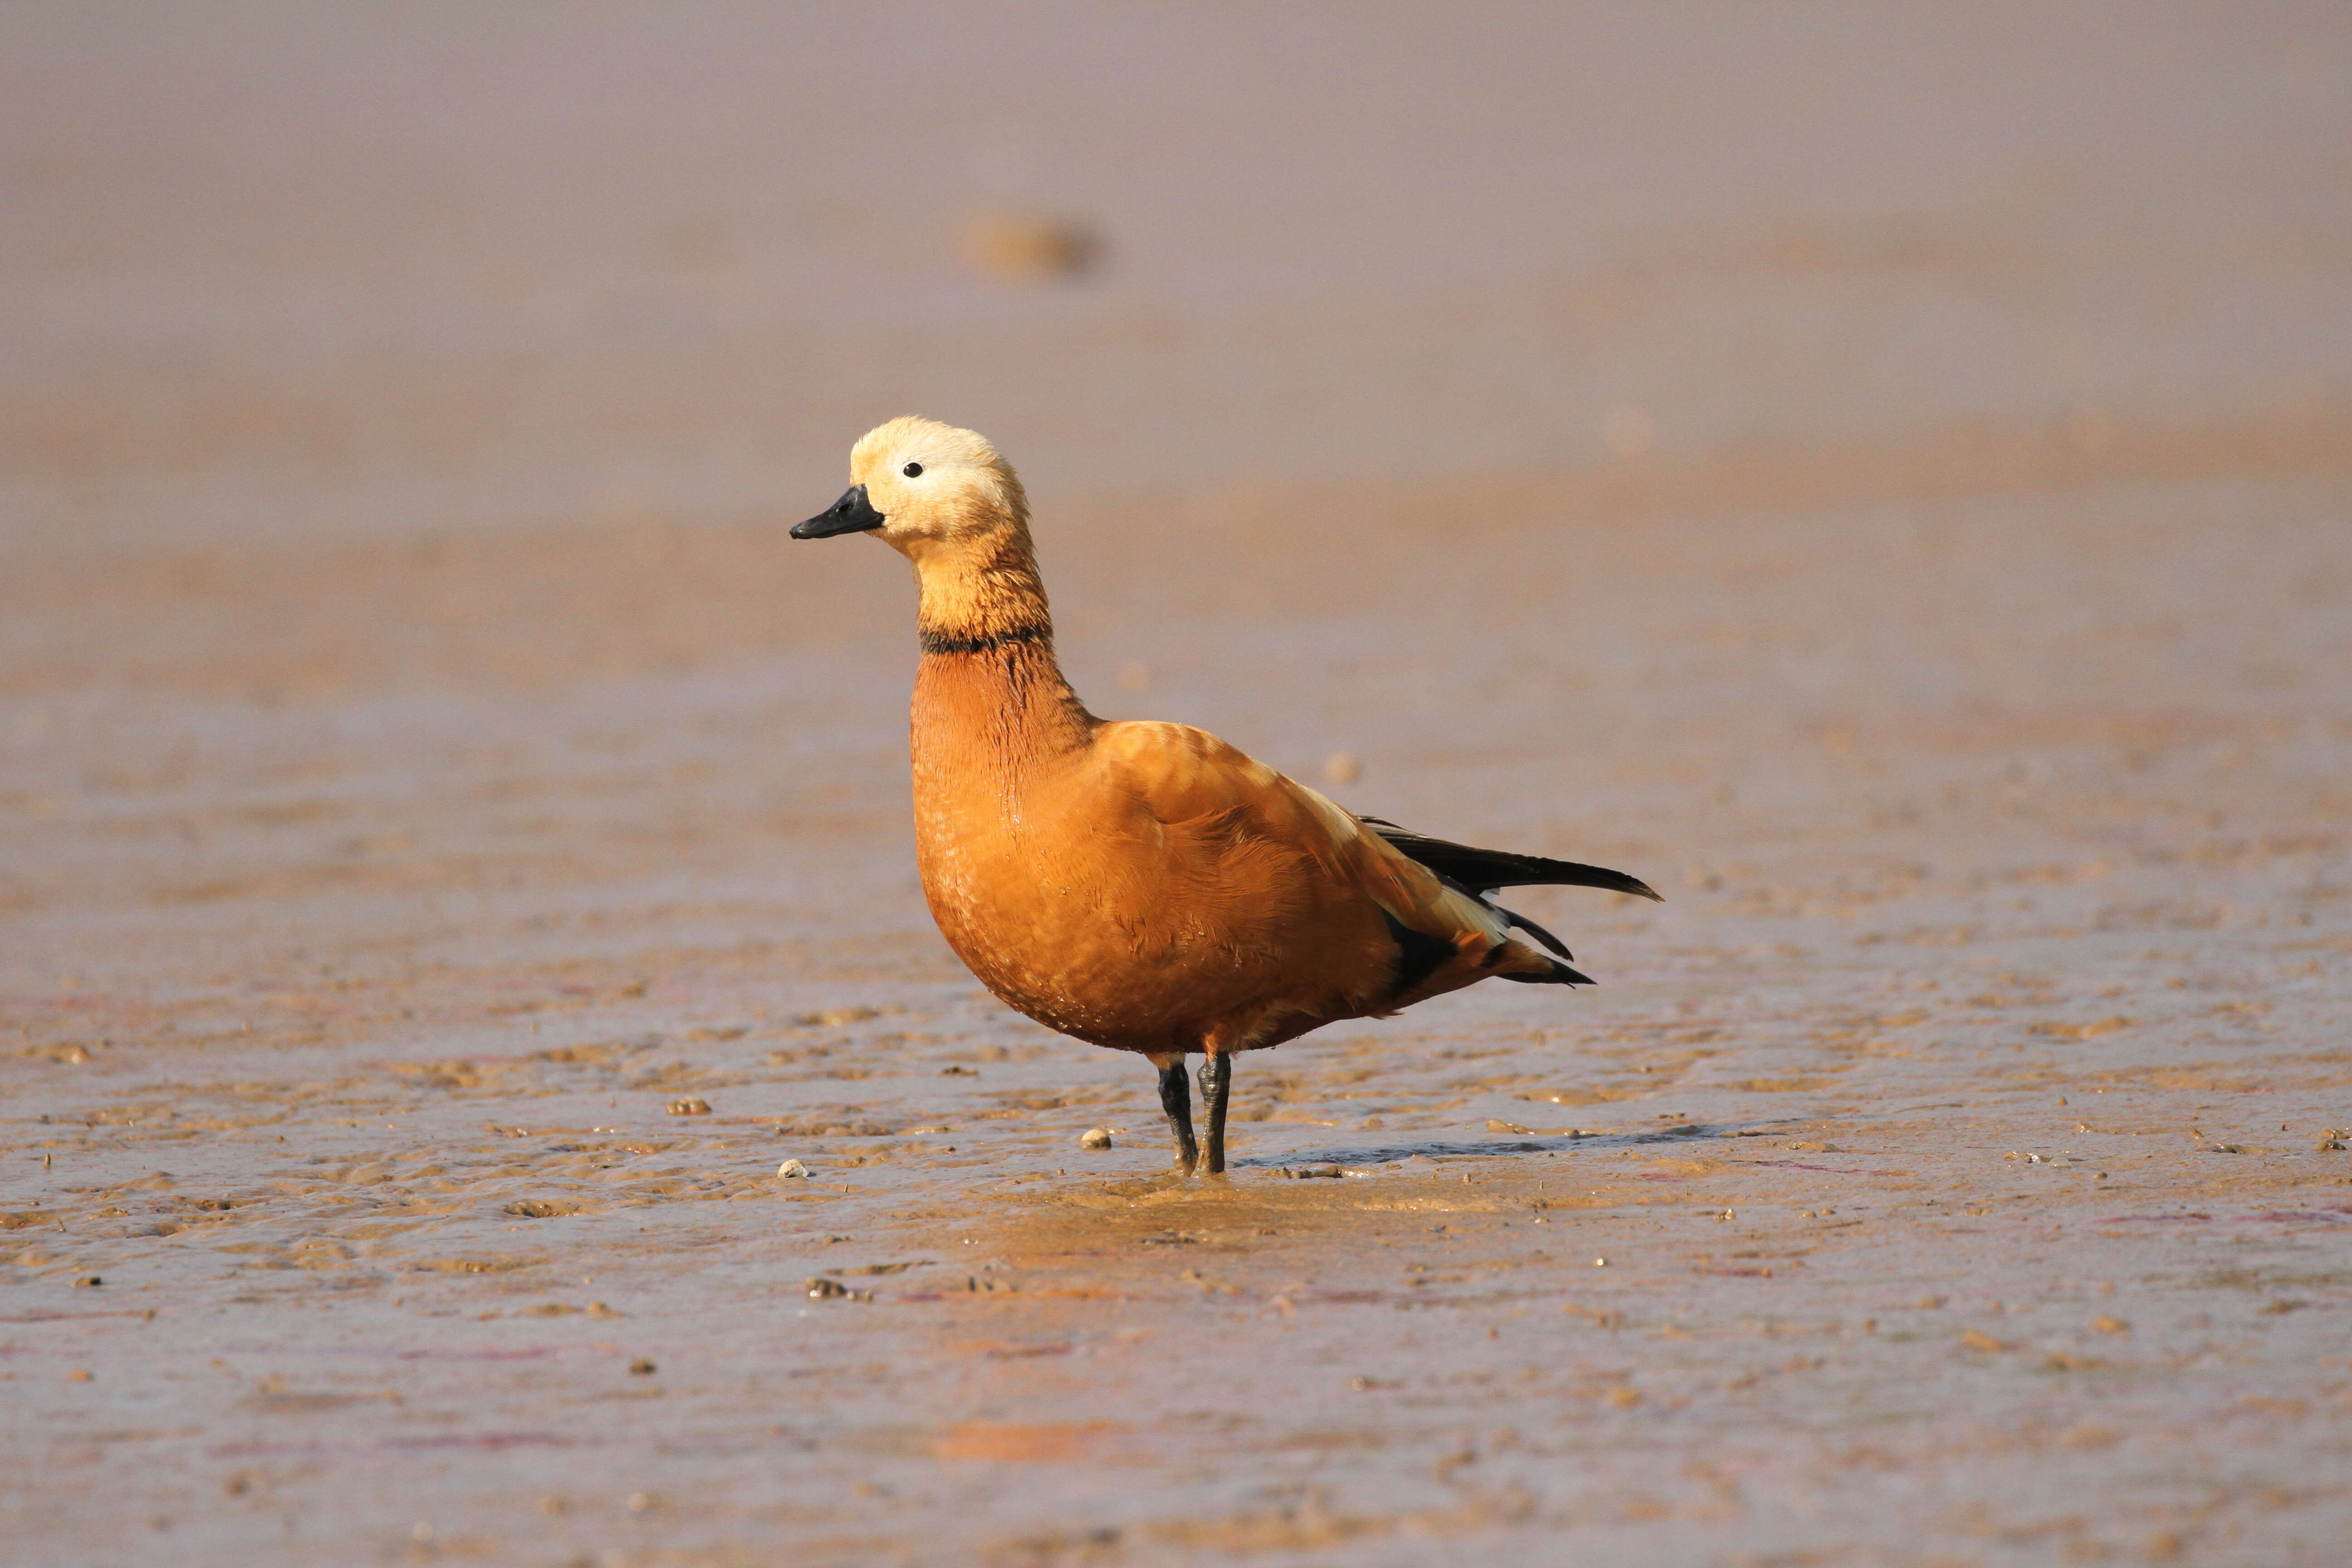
(853, 513)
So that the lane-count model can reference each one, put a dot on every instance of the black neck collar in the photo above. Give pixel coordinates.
(949, 642)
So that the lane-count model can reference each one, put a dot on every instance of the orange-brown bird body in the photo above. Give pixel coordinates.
(1145, 886)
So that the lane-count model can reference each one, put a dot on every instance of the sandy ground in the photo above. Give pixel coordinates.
(406, 806)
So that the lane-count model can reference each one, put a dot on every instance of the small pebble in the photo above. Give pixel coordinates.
(1095, 1137)
(88, 1282)
(690, 1106)
(792, 1168)
(641, 1367)
(822, 1288)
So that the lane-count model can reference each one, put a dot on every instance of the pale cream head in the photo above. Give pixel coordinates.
(937, 485)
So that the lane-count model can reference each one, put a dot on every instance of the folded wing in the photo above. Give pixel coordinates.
(1438, 931)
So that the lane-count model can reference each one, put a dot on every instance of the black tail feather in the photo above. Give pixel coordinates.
(1419, 956)
(1483, 870)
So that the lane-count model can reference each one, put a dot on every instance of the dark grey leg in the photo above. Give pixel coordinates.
(1176, 1099)
(1216, 1079)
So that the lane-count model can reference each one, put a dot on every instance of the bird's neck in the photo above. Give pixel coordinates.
(989, 679)
(982, 596)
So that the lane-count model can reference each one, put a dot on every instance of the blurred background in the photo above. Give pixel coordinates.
(1560, 411)
(1451, 387)
(280, 270)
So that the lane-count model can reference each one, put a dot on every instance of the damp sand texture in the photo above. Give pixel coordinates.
(479, 1082)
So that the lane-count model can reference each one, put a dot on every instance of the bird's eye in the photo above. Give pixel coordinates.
(913, 471)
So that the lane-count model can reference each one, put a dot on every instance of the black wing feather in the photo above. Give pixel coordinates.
(1483, 870)
(1513, 917)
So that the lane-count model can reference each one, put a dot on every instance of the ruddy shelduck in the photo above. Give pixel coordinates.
(1145, 886)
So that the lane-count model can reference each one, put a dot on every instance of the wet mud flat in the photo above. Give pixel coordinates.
(400, 1055)
(1887, 485)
